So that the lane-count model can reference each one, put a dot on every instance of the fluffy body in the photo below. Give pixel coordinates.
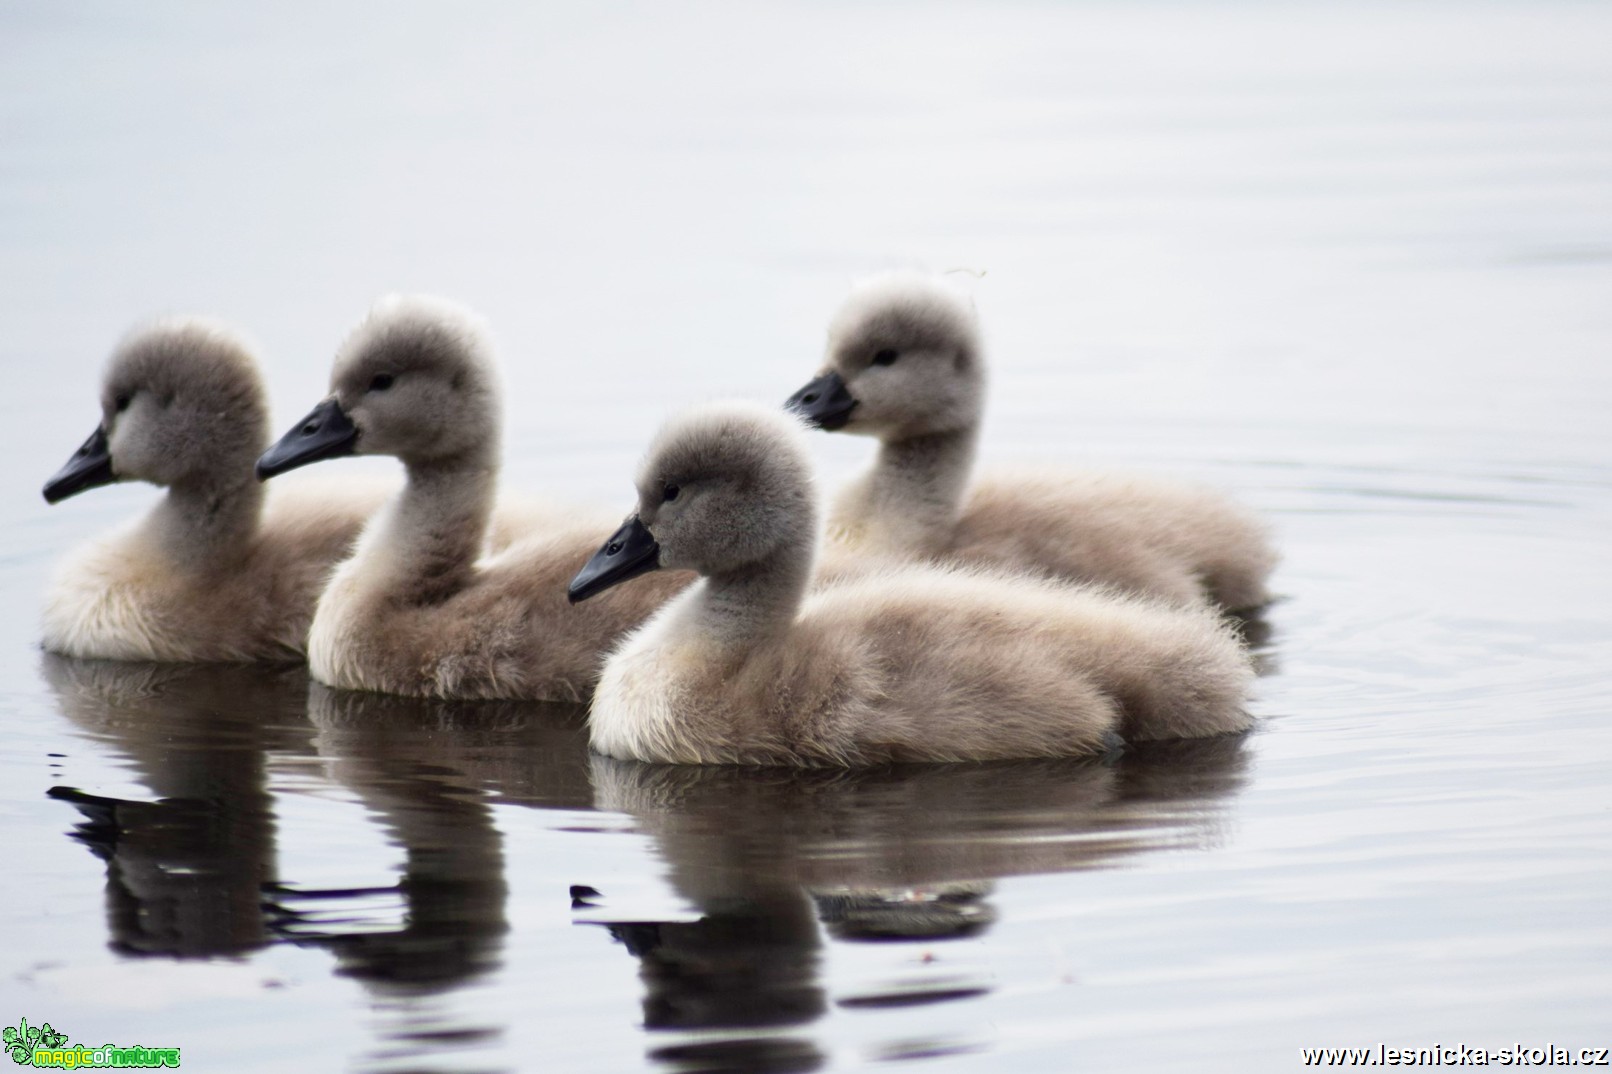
(418, 609)
(1136, 533)
(1144, 535)
(905, 663)
(213, 572)
(127, 596)
(923, 664)
(504, 630)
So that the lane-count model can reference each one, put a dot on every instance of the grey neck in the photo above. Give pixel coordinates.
(437, 531)
(915, 489)
(744, 606)
(207, 525)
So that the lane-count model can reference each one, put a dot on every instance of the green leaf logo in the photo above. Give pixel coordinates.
(18, 1041)
(21, 1040)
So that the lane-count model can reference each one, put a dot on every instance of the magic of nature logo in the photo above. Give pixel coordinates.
(43, 1046)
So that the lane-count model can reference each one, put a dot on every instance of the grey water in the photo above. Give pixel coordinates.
(1351, 262)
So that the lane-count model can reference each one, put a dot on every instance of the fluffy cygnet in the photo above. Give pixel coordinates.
(417, 610)
(906, 663)
(212, 573)
(905, 365)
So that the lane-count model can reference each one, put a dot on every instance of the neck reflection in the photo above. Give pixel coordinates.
(185, 868)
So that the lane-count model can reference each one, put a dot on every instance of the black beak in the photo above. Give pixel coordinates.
(824, 402)
(90, 467)
(631, 551)
(326, 433)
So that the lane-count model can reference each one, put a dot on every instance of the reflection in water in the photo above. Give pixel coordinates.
(749, 963)
(193, 873)
(898, 854)
(425, 769)
(933, 912)
(428, 770)
(1259, 635)
(184, 872)
(777, 863)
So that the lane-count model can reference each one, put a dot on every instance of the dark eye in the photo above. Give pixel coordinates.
(381, 382)
(669, 493)
(886, 357)
(121, 403)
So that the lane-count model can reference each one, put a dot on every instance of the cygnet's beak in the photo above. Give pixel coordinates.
(629, 552)
(326, 433)
(90, 467)
(825, 402)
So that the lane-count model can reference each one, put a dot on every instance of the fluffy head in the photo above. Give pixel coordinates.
(907, 346)
(726, 485)
(182, 402)
(418, 379)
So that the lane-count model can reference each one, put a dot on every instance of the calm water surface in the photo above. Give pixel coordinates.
(1349, 261)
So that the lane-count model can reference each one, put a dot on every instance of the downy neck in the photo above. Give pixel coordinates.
(911, 497)
(435, 533)
(742, 607)
(207, 525)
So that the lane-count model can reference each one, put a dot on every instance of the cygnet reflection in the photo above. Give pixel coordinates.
(428, 771)
(185, 867)
(771, 859)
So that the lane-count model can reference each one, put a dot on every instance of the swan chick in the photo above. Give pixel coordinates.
(418, 609)
(906, 663)
(213, 572)
(905, 365)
